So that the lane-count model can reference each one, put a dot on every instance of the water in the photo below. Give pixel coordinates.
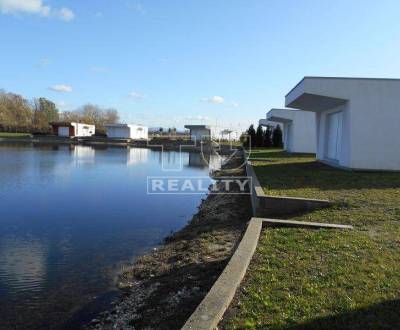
(69, 216)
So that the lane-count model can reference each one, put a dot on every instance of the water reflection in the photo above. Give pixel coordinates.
(68, 213)
(83, 155)
(136, 156)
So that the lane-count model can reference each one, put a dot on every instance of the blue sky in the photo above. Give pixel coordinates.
(167, 63)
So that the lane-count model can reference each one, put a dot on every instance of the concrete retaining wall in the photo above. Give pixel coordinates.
(265, 206)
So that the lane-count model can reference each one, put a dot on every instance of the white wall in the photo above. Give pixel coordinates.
(83, 129)
(139, 132)
(136, 132)
(303, 129)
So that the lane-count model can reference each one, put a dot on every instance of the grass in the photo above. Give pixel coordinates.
(14, 135)
(320, 279)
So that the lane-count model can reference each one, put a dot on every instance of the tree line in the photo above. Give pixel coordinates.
(18, 114)
(268, 138)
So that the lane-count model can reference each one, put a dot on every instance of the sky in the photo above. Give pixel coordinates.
(176, 62)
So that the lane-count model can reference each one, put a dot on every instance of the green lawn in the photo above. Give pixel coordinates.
(320, 279)
(14, 135)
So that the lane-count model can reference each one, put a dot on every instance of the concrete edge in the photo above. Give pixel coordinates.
(212, 308)
(304, 224)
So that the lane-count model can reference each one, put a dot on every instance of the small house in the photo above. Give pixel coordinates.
(299, 131)
(127, 131)
(71, 129)
(349, 116)
(199, 132)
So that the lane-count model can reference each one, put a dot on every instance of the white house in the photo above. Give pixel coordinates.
(350, 113)
(298, 127)
(229, 134)
(199, 132)
(127, 131)
(70, 129)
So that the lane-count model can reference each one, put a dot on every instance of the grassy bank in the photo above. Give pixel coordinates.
(325, 278)
(14, 135)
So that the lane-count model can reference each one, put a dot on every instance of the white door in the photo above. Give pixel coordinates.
(63, 131)
(334, 135)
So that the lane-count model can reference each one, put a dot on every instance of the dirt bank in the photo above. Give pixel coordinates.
(164, 287)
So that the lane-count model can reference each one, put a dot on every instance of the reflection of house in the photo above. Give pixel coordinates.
(299, 129)
(197, 159)
(137, 155)
(127, 131)
(73, 129)
(83, 154)
(348, 113)
(199, 132)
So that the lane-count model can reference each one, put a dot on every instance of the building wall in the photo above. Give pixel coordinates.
(376, 130)
(304, 132)
(139, 132)
(301, 137)
(118, 132)
(127, 132)
(83, 129)
(198, 134)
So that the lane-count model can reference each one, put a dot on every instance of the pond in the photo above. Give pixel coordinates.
(71, 216)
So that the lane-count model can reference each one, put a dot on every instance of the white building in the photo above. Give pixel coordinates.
(349, 122)
(127, 131)
(298, 127)
(229, 134)
(70, 129)
(199, 132)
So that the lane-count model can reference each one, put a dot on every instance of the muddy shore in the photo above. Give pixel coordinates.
(162, 288)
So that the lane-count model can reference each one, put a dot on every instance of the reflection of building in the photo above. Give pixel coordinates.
(69, 129)
(197, 159)
(127, 131)
(137, 155)
(22, 264)
(83, 154)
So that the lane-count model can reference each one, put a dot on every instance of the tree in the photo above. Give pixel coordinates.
(251, 136)
(15, 112)
(267, 137)
(94, 115)
(259, 136)
(277, 141)
(44, 112)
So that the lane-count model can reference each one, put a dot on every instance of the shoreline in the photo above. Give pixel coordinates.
(154, 143)
(163, 287)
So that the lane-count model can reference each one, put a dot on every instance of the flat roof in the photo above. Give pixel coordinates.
(122, 125)
(197, 126)
(338, 78)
